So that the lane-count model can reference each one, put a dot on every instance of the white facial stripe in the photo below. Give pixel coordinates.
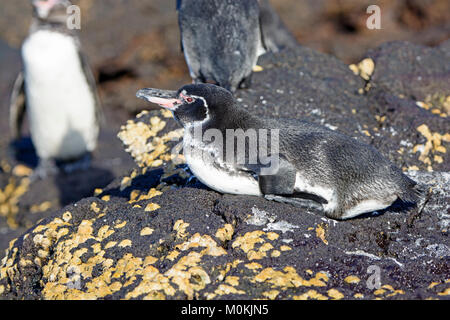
(208, 117)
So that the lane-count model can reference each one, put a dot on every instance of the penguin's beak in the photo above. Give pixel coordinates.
(164, 98)
(43, 7)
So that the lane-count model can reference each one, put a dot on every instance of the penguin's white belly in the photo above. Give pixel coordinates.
(60, 104)
(304, 185)
(222, 179)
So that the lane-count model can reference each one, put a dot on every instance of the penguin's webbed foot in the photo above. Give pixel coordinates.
(296, 202)
(45, 169)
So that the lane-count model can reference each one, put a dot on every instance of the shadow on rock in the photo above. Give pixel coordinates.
(23, 151)
(80, 184)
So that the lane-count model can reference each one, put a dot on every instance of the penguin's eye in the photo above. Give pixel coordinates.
(189, 100)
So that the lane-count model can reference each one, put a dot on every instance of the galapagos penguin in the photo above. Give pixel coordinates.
(57, 90)
(221, 40)
(347, 177)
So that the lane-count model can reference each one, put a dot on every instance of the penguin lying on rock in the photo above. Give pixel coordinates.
(57, 90)
(222, 39)
(347, 177)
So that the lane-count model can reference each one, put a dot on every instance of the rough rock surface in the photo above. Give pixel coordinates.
(160, 234)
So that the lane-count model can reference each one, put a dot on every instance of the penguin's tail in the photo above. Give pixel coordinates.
(410, 191)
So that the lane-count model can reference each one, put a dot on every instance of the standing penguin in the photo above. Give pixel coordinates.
(57, 90)
(221, 40)
(347, 177)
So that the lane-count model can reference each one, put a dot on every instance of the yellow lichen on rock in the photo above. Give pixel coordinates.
(275, 254)
(446, 292)
(289, 278)
(94, 207)
(248, 242)
(135, 136)
(253, 266)
(188, 275)
(120, 225)
(104, 232)
(232, 280)
(272, 294)
(125, 243)
(224, 289)
(310, 294)
(352, 279)
(152, 207)
(388, 291)
(110, 245)
(22, 171)
(364, 69)
(320, 233)
(143, 143)
(225, 233)
(67, 216)
(146, 231)
(136, 196)
(44, 206)
(335, 294)
(180, 227)
(433, 145)
(9, 199)
(205, 241)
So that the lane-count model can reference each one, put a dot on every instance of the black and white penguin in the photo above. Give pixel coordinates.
(346, 176)
(56, 89)
(221, 40)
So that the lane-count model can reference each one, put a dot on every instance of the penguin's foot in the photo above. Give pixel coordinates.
(246, 83)
(45, 169)
(296, 202)
(79, 165)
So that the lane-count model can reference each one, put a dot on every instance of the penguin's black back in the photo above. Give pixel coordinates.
(330, 157)
(220, 38)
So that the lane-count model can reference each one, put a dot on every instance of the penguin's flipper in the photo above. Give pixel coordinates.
(17, 107)
(274, 33)
(296, 202)
(178, 4)
(93, 86)
(281, 182)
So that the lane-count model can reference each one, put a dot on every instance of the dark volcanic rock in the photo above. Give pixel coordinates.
(300, 84)
(410, 70)
(409, 94)
(160, 234)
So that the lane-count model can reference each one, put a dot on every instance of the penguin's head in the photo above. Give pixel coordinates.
(51, 11)
(192, 104)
